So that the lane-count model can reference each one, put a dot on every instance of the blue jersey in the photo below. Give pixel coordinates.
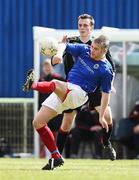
(87, 72)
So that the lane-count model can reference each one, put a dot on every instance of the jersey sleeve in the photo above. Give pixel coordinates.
(107, 82)
(74, 49)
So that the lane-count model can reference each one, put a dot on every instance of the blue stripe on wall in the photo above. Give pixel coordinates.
(18, 16)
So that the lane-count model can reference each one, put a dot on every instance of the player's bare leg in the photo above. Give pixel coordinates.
(45, 114)
(60, 88)
(40, 124)
(106, 135)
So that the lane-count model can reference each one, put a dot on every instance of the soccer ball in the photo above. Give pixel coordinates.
(48, 47)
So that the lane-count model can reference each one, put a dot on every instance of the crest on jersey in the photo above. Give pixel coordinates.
(96, 66)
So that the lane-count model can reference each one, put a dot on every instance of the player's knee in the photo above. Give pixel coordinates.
(57, 83)
(37, 124)
(60, 86)
(67, 125)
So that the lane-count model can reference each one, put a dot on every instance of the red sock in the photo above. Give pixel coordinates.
(49, 140)
(44, 87)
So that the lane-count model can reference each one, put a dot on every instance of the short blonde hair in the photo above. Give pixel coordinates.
(103, 41)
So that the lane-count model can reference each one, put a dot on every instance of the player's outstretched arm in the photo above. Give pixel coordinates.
(59, 55)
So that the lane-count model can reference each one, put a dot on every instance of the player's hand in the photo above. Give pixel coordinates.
(57, 59)
(65, 39)
(104, 124)
(136, 129)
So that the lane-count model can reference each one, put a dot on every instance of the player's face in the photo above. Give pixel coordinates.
(97, 52)
(85, 28)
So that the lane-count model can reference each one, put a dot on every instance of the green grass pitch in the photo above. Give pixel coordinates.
(30, 169)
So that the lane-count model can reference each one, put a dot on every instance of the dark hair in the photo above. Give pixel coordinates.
(87, 16)
(103, 41)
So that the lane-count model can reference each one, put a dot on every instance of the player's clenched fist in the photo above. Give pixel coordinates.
(57, 59)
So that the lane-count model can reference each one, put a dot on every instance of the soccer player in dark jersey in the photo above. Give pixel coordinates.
(91, 69)
(85, 27)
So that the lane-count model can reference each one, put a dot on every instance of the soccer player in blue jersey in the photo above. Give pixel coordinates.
(91, 69)
(85, 26)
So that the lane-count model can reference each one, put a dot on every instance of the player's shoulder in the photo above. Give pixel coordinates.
(74, 39)
(84, 47)
(92, 38)
(78, 45)
(106, 67)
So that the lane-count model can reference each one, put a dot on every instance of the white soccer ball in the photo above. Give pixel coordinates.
(48, 47)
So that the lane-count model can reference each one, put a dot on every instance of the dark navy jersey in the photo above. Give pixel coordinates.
(87, 72)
